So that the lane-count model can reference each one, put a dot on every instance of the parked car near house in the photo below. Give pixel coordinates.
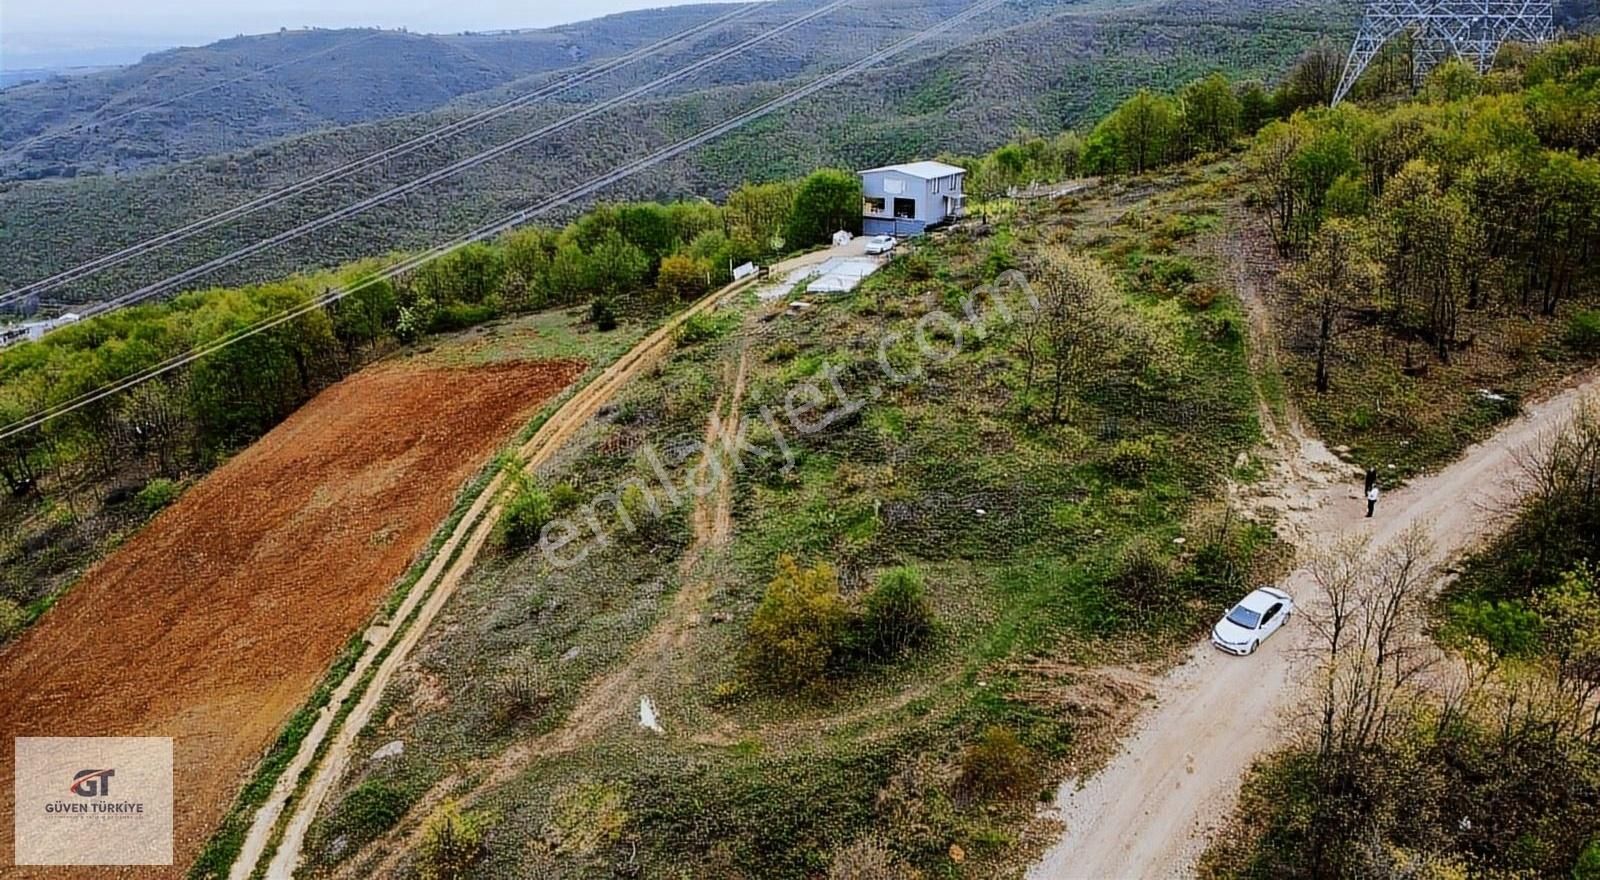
(880, 245)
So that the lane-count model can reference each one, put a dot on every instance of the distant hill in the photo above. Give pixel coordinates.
(245, 91)
(1043, 65)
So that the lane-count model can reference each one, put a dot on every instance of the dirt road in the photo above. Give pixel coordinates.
(430, 595)
(1150, 813)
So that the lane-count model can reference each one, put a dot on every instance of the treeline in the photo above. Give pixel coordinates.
(1152, 129)
(618, 259)
(1484, 197)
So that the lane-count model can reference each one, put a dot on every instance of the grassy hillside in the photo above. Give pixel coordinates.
(1030, 546)
(1042, 66)
(245, 91)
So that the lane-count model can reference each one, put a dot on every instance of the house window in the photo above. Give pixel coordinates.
(876, 206)
(905, 209)
(894, 186)
(938, 184)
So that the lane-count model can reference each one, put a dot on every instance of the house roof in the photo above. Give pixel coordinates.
(923, 170)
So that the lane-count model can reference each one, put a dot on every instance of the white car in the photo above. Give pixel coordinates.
(1251, 622)
(879, 245)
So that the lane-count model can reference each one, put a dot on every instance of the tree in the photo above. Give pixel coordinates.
(1145, 125)
(1568, 196)
(1313, 80)
(1294, 164)
(827, 202)
(1081, 322)
(1335, 278)
(1426, 237)
(1255, 107)
(1369, 627)
(682, 278)
(1570, 613)
(1210, 113)
(616, 267)
(759, 213)
(365, 315)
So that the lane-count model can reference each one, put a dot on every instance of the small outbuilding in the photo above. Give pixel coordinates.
(907, 199)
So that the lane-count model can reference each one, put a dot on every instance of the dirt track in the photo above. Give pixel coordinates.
(442, 579)
(1152, 811)
(214, 623)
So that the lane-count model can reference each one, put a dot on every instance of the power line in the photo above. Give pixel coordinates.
(480, 118)
(498, 227)
(448, 171)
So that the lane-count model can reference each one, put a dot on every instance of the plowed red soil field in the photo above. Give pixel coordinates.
(214, 623)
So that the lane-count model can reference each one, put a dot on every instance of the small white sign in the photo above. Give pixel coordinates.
(744, 271)
(93, 800)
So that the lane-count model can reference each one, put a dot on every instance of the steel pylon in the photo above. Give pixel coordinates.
(1472, 30)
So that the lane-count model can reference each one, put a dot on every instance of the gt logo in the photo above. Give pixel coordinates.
(92, 783)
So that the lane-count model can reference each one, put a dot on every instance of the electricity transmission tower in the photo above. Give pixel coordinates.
(1471, 30)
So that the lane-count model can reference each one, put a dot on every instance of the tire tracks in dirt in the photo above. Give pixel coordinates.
(550, 438)
(610, 697)
(325, 759)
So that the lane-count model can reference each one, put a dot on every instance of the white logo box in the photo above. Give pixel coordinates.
(93, 800)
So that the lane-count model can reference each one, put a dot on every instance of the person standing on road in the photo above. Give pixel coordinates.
(1372, 478)
(1372, 499)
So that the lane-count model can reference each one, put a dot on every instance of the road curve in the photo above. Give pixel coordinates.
(1151, 812)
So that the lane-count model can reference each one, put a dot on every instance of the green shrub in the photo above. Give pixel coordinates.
(868, 859)
(564, 498)
(1173, 274)
(452, 843)
(460, 316)
(524, 518)
(1131, 461)
(799, 627)
(603, 314)
(998, 765)
(1583, 332)
(12, 619)
(157, 494)
(896, 616)
(371, 808)
(701, 328)
(1588, 866)
(1002, 256)
(1142, 576)
(782, 352)
(1507, 626)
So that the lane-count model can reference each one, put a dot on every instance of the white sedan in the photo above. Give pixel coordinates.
(879, 245)
(1252, 621)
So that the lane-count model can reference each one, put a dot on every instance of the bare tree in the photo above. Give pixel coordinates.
(1082, 323)
(1368, 616)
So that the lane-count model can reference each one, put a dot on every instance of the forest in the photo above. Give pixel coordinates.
(1453, 735)
(635, 260)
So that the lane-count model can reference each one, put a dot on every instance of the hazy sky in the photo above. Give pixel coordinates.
(41, 27)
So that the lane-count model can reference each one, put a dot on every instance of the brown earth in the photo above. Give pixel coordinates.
(215, 622)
